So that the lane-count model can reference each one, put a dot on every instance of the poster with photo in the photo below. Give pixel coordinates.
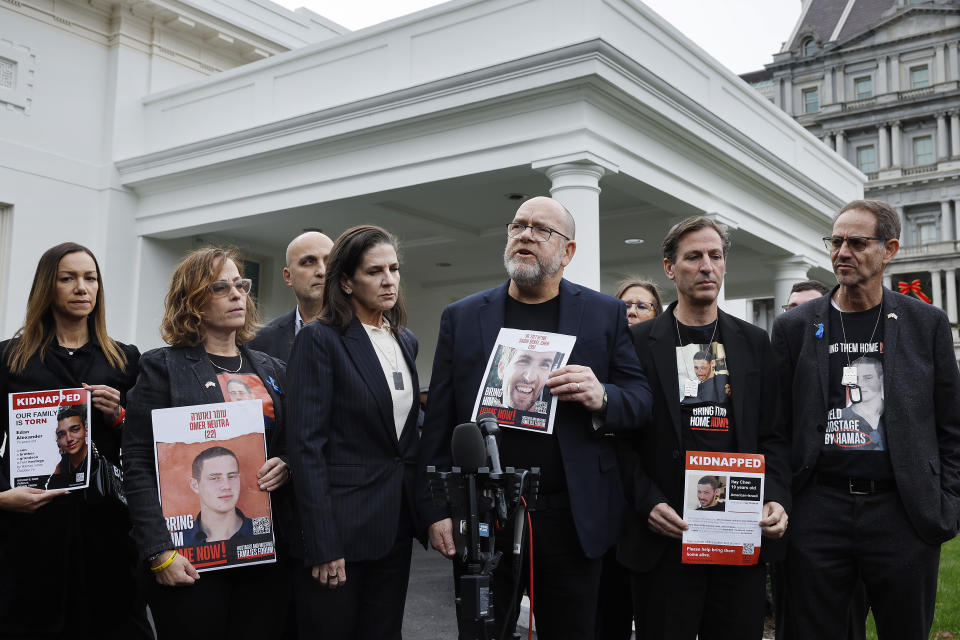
(514, 382)
(723, 504)
(49, 439)
(207, 458)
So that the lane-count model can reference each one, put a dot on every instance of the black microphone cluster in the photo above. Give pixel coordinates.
(482, 496)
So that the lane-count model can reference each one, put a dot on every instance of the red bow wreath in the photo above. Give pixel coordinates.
(914, 288)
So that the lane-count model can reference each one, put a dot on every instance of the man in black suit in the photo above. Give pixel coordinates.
(306, 267)
(672, 600)
(601, 390)
(870, 394)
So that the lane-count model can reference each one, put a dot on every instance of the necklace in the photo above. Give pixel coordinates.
(395, 362)
(237, 370)
(843, 329)
(712, 335)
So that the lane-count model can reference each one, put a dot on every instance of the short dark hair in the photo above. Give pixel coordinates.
(888, 220)
(73, 410)
(644, 283)
(345, 258)
(230, 381)
(713, 481)
(810, 285)
(704, 355)
(690, 225)
(213, 452)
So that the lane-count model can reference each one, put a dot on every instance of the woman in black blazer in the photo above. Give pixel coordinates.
(208, 317)
(353, 440)
(67, 565)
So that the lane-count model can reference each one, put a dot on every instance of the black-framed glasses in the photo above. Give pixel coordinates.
(856, 243)
(641, 306)
(222, 287)
(540, 234)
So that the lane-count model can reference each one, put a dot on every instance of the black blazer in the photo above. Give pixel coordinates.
(468, 332)
(276, 337)
(653, 460)
(921, 390)
(176, 377)
(353, 475)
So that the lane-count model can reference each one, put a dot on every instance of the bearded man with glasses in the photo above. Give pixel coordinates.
(873, 498)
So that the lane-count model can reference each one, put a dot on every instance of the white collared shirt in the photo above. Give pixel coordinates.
(390, 354)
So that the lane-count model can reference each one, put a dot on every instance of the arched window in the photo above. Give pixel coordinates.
(809, 47)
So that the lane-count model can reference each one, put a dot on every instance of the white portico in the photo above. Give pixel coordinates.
(435, 126)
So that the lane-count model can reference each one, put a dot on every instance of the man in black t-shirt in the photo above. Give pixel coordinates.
(714, 390)
(871, 394)
(602, 390)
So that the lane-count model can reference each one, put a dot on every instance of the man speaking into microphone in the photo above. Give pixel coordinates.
(602, 390)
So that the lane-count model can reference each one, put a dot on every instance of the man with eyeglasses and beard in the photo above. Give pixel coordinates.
(601, 390)
(870, 392)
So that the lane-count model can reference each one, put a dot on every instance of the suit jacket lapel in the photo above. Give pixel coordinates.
(571, 309)
(821, 317)
(491, 315)
(204, 375)
(891, 376)
(664, 352)
(737, 353)
(364, 357)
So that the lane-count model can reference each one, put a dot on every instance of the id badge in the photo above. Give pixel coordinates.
(854, 393)
(690, 388)
(849, 376)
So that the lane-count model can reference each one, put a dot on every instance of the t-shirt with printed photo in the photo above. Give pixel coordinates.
(703, 382)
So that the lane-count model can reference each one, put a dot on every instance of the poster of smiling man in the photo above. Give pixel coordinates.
(514, 387)
(207, 459)
(49, 439)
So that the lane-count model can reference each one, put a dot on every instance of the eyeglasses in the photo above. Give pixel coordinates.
(539, 234)
(856, 243)
(222, 287)
(787, 307)
(641, 306)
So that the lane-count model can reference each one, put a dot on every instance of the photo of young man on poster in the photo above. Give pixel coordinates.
(216, 481)
(73, 440)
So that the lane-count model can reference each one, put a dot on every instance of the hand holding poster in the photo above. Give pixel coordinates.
(207, 460)
(50, 439)
(723, 504)
(514, 382)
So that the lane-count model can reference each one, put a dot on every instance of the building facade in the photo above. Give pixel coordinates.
(878, 81)
(144, 129)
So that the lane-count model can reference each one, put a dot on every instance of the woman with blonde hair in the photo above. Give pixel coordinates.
(208, 317)
(69, 549)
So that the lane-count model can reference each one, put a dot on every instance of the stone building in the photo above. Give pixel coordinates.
(878, 81)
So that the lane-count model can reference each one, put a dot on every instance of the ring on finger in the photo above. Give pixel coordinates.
(578, 387)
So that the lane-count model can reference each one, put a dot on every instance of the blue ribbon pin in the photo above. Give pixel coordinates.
(819, 332)
(273, 384)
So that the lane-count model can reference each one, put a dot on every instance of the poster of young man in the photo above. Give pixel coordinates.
(207, 458)
(514, 387)
(50, 439)
(723, 504)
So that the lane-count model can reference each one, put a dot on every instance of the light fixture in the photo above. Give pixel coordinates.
(443, 264)
(633, 241)
(516, 196)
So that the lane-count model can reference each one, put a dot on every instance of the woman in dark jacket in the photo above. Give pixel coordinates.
(67, 564)
(353, 439)
(208, 317)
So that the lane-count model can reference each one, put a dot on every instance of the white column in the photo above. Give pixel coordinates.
(935, 283)
(940, 64)
(951, 282)
(956, 219)
(841, 84)
(946, 221)
(954, 73)
(577, 187)
(887, 281)
(955, 134)
(942, 152)
(826, 138)
(881, 76)
(788, 96)
(786, 273)
(841, 142)
(894, 73)
(828, 86)
(896, 142)
(884, 147)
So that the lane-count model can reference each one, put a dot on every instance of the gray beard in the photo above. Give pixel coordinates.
(530, 275)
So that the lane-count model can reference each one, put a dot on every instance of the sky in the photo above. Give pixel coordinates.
(741, 34)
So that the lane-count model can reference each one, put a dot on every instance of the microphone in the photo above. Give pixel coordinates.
(489, 427)
(466, 447)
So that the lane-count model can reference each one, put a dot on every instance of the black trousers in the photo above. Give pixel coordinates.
(676, 601)
(243, 603)
(615, 603)
(369, 606)
(565, 580)
(837, 539)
